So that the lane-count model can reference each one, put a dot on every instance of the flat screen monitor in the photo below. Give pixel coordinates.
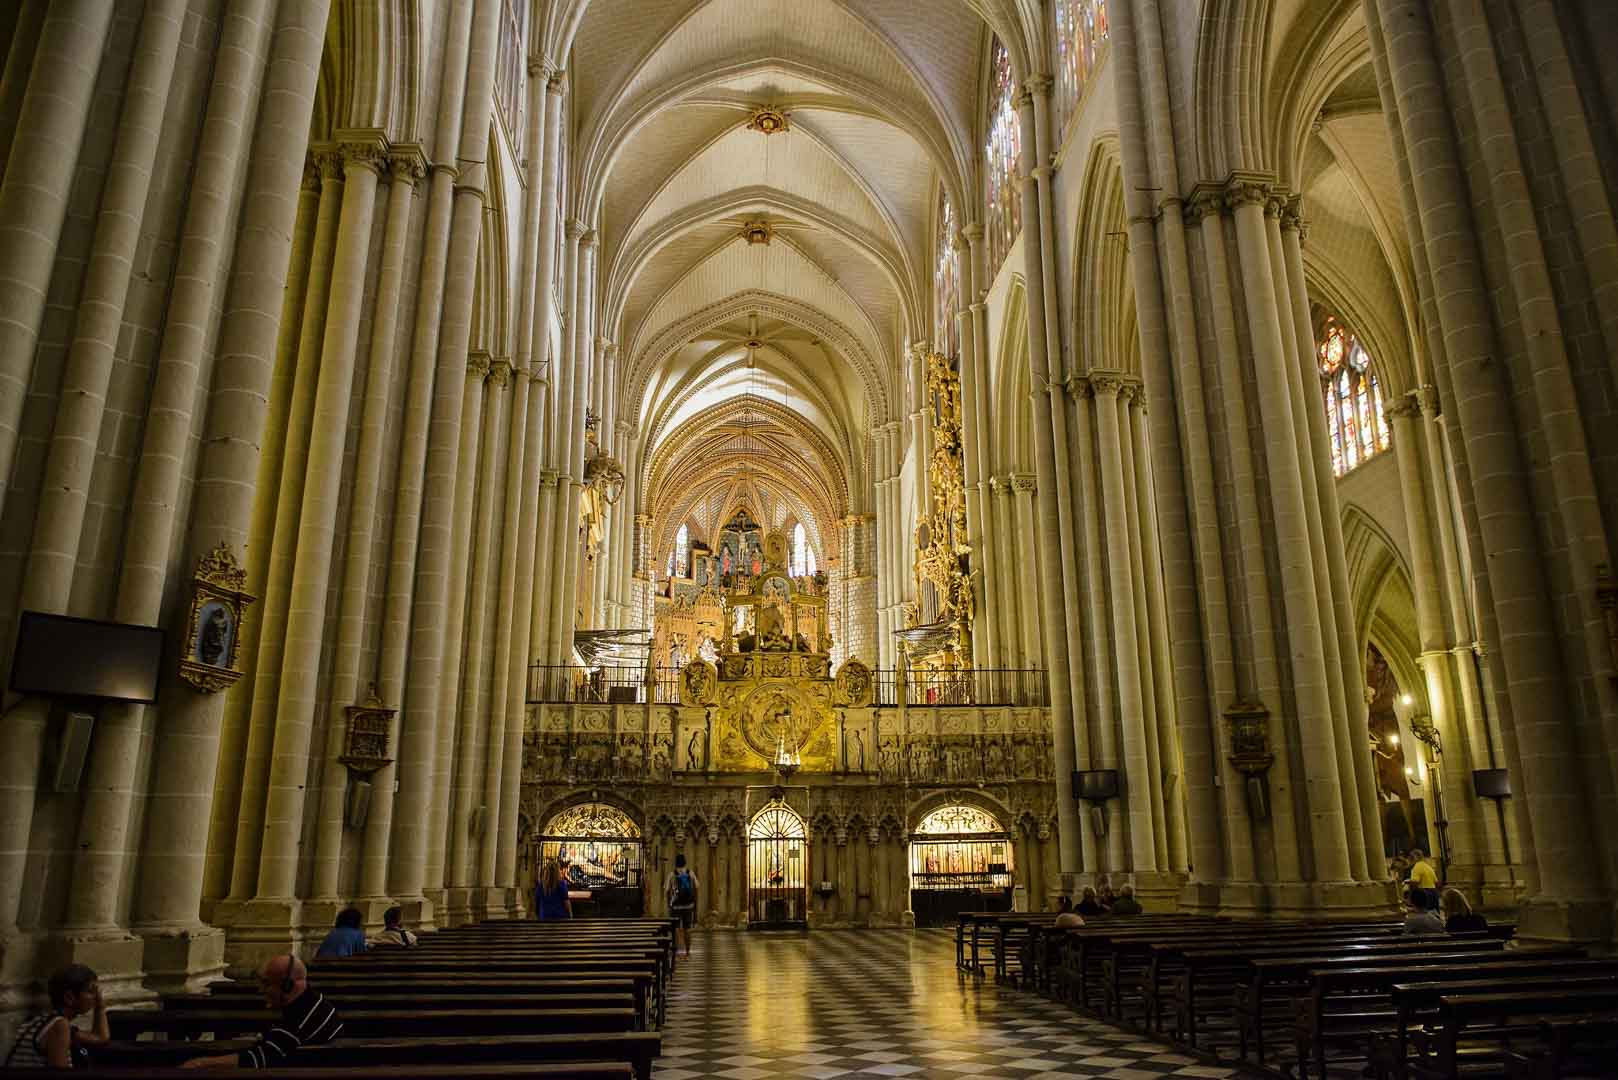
(1096, 784)
(1491, 783)
(60, 656)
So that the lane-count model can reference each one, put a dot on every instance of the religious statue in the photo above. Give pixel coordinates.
(889, 758)
(801, 643)
(215, 637)
(859, 751)
(693, 747)
(997, 760)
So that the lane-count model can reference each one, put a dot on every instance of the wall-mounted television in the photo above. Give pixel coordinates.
(60, 656)
(1095, 784)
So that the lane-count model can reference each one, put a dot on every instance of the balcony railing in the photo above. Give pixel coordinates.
(565, 683)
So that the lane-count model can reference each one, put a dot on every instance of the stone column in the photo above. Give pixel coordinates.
(1530, 655)
(1007, 575)
(1023, 485)
(464, 746)
(316, 531)
(263, 691)
(1060, 593)
(105, 846)
(434, 565)
(417, 728)
(566, 513)
(405, 170)
(985, 646)
(490, 717)
(168, 897)
(33, 206)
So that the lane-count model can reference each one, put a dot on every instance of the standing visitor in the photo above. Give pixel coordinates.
(50, 1040)
(346, 938)
(681, 890)
(551, 900)
(1423, 877)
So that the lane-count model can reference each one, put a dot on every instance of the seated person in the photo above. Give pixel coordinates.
(307, 1019)
(1066, 917)
(1459, 918)
(393, 932)
(1126, 904)
(346, 938)
(50, 1040)
(1420, 918)
(1088, 904)
(1104, 896)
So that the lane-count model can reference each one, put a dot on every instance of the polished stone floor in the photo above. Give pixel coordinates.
(865, 1003)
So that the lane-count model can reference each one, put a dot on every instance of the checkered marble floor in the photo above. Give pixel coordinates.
(867, 1003)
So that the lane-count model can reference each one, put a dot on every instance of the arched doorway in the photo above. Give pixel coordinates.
(600, 848)
(960, 860)
(777, 868)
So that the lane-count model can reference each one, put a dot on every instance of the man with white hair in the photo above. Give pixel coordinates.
(307, 1019)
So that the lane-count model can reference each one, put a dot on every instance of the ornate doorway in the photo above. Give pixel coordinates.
(960, 860)
(599, 847)
(777, 868)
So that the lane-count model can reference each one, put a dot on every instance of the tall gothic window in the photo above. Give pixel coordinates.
(1081, 28)
(682, 552)
(946, 283)
(803, 556)
(1354, 421)
(1001, 152)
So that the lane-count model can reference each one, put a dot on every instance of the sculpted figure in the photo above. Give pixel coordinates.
(693, 751)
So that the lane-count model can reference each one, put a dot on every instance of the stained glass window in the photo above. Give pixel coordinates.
(800, 551)
(1355, 423)
(1002, 151)
(946, 283)
(682, 552)
(1081, 30)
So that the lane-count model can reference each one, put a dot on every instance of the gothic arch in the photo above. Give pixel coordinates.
(986, 801)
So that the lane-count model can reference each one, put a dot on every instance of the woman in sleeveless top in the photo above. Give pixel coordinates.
(49, 1040)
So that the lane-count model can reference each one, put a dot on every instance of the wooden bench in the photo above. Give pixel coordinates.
(416, 1019)
(1476, 1029)
(635, 1048)
(1574, 1047)
(1352, 1006)
(558, 1070)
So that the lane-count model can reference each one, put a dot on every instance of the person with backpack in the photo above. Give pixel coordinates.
(682, 894)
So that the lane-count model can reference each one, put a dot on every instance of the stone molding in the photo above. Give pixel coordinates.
(500, 372)
(478, 364)
(1025, 481)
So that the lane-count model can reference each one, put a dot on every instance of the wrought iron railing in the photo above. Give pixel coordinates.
(564, 683)
(981, 686)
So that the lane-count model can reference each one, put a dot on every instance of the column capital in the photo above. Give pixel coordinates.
(478, 364)
(1079, 386)
(408, 163)
(1292, 216)
(556, 85)
(1403, 407)
(500, 372)
(1108, 384)
(1427, 395)
(574, 228)
(547, 478)
(363, 149)
(311, 173)
(1205, 201)
(329, 160)
(1025, 482)
(1246, 189)
(973, 231)
(587, 239)
(1008, 482)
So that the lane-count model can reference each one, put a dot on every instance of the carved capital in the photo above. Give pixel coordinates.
(587, 239)
(574, 228)
(330, 163)
(1039, 85)
(1025, 482)
(1275, 205)
(1107, 385)
(500, 372)
(1426, 396)
(1206, 200)
(1292, 215)
(408, 167)
(1404, 407)
(1079, 387)
(363, 155)
(477, 364)
(556, 84)
(1245, 192)
(973, 231)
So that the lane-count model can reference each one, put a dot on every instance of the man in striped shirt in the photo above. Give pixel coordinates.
(307, 1019)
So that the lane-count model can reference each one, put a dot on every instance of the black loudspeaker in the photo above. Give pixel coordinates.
(1491, 783)
(71, 751)
(1096, 784)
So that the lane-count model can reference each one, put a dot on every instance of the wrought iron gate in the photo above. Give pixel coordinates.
(777, 867)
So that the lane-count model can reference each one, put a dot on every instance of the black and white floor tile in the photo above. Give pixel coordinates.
(869, 1003)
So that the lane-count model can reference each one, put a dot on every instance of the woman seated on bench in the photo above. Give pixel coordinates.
(1459, 918)
(49, 1040)
(1420, 918)
(344, 939)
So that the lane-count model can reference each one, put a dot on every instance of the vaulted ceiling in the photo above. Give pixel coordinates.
(788, 269)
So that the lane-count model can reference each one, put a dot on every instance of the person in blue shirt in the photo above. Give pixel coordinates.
(346, 938)
(551, 899)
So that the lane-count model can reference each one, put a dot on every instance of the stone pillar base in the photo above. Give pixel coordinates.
(1488, 886)
(1291, 899)
(457, 909)
(417, 912)
(258, 929)
(907, 920)
(182, 959)
(492, 902)
(438, 898)
(1157, 891)
(1544, 919)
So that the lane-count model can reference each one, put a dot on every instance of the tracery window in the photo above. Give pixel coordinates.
(1081, 29)
(1002, 152)
(800, 546)
(946, 283)
(1355, 423)
(958, 819)
(682, 552)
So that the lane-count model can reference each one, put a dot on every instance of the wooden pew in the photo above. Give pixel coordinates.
(416, 1020)
(558, 1070)
(1352, 1006)
(635, 1048)
(1474, 1029)
(1574, 1047)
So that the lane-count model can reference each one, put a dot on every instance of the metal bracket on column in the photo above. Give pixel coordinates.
(1247, 727)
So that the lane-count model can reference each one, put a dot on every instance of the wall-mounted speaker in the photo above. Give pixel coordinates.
(1491, 783)
(72, 749)
(1096, 785)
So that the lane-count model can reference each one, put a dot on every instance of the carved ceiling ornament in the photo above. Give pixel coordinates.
(768, 120)
(758, 232)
